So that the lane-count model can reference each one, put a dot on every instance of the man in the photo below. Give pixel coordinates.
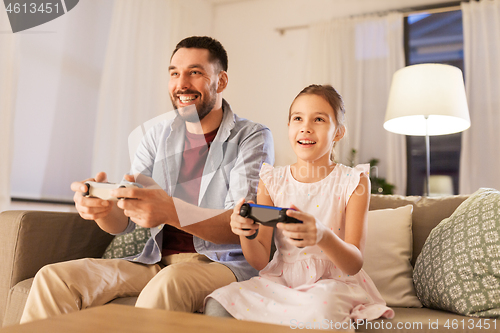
(205, 157)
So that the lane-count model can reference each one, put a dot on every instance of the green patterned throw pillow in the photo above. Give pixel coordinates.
(458, 269)
(128, 244)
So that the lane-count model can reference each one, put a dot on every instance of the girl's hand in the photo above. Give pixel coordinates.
(240, 225)
(307, 233)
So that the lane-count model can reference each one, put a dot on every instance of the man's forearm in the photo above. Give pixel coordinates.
(115, 223)
(215, 229)
(153, 207)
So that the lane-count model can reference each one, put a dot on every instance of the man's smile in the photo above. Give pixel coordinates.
(186, 98)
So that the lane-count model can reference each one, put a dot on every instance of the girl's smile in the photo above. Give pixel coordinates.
(306, 142)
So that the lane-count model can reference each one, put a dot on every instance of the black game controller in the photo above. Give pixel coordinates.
(266, 215)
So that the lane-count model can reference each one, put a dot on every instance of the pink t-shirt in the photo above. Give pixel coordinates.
(195, 154)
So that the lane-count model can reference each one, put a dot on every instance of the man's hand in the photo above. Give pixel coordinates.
(151, 206)
(147, 207)
(91, 208)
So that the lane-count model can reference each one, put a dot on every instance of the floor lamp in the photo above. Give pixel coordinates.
(425, 100)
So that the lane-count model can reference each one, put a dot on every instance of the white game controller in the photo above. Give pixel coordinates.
(103, 190)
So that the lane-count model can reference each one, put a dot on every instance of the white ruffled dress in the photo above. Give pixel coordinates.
(302, 284)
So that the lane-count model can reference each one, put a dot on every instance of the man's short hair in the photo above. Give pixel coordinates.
(217, 53)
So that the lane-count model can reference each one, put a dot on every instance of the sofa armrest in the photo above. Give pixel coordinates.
(30, 240)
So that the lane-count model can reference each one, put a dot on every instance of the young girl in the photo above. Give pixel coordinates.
(315, 274)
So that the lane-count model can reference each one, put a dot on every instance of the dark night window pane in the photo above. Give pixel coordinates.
(433, 38)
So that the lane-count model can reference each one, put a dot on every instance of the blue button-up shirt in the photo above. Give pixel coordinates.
(231, 172)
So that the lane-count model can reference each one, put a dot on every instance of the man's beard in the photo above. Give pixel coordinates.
(202, 110)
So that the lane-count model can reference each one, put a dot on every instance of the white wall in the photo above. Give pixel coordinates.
(60, 69)
(61, 64)
(266, 69)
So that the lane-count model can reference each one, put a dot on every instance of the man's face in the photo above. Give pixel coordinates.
(193, 81)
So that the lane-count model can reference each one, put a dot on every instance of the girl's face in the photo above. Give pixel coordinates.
(312, 129)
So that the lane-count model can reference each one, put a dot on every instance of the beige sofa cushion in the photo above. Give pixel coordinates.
(16, 301)
(387, 255)
(427, 213)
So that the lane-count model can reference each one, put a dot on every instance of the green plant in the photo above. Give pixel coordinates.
(379, 185)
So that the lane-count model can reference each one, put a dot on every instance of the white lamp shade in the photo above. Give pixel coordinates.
(432, 91)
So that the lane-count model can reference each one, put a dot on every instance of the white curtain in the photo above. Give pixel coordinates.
(134, 86)
(358, 56)
(480, 159)
(8, 85)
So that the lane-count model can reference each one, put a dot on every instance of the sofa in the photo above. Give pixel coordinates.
(32, 239)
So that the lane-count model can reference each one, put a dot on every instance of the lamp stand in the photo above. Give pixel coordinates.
(427, 158)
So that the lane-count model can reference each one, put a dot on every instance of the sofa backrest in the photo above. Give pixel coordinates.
(427, 213)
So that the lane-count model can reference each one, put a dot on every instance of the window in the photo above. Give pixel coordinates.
(433, 38)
